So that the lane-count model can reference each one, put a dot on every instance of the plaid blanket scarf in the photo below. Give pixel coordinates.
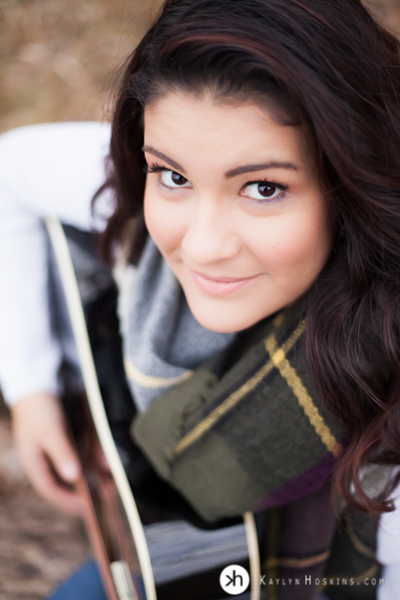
(247, 431)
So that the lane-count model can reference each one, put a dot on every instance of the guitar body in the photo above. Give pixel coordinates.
(149, 542)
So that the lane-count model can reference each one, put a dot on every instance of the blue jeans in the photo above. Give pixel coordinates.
(85, 584)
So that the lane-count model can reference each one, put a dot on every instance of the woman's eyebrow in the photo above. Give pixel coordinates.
(163, 156)
(232, 172)
(260, 167)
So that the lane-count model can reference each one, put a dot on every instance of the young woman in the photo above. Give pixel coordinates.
(257, 145)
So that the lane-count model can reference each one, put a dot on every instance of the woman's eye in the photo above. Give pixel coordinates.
(263, 191)
(172, 179)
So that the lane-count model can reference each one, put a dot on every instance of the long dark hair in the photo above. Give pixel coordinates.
(328, 66)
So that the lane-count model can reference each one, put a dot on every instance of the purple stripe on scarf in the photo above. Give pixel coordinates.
(302, 485)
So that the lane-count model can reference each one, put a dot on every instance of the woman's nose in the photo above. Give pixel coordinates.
(210, 236)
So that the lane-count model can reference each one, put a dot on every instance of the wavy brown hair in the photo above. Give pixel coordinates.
(328, 66)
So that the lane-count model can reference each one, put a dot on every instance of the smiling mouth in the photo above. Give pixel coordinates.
(221, 286)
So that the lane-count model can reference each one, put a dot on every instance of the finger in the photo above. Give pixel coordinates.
(68, 502)
(63, 456)
(48, 486)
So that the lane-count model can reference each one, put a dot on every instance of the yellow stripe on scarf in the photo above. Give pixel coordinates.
(278, 357)
(148, 381)
(234, 398)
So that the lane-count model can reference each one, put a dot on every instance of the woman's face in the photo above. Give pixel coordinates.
(234, 207)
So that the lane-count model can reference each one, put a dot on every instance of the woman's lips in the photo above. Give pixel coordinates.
(220, 286)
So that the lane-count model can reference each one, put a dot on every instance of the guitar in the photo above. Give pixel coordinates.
(148, 542)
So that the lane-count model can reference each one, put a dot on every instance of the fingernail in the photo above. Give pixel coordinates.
(70, 471)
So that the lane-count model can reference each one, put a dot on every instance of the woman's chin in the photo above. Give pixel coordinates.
(221, 319)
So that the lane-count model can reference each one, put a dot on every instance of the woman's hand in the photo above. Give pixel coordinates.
(45, 450)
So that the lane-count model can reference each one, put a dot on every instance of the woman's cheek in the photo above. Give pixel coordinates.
(164, 222)
(297, 243)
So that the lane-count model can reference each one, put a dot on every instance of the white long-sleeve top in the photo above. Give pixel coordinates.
(54, 170)
(45, 170)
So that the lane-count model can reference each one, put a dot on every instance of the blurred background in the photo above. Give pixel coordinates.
(60, 60)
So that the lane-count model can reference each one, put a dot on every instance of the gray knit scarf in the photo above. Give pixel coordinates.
(162, 340)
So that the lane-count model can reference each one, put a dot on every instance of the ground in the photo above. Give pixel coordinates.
(39, 546)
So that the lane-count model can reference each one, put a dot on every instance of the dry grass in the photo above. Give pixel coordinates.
(39, 546)
(59, 59)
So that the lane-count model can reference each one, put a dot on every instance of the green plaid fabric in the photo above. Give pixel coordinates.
(245, 424)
